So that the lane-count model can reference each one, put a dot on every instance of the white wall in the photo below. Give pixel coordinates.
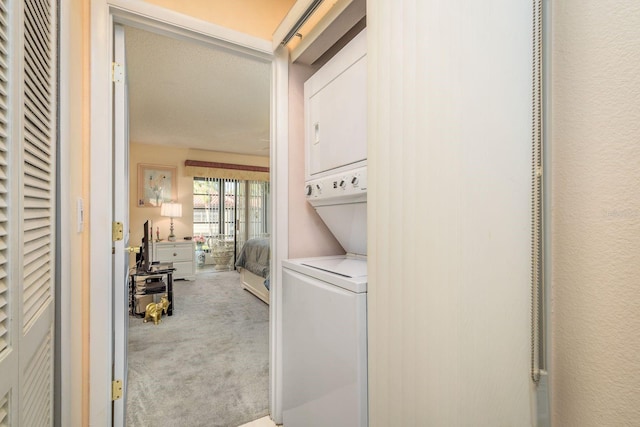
(596, 213)
(449, 194)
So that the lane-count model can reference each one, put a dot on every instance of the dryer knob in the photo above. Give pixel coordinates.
(319, 187)
(308, 190)
(343, 184)
(355, 181)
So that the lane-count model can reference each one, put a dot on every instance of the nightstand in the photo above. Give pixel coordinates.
(181, 254)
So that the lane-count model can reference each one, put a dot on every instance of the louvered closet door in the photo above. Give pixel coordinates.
(8, 291)
(27, 211)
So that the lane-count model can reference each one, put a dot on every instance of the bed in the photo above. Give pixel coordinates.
(253, 265)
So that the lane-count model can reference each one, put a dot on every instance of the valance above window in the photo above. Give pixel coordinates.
(203, 169)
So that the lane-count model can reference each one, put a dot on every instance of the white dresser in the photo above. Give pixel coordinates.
(181, 254)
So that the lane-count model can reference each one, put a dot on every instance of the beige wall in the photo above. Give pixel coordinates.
(595, 145)
(172, 156)
(258, 18)
(78, 243)
(308, 235)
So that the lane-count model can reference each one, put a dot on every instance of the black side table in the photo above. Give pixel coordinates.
(148, 276)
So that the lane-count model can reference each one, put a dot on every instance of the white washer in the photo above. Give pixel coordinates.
(325, 342)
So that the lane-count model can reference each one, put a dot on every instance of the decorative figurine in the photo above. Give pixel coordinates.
(154, 311)
(157, 234)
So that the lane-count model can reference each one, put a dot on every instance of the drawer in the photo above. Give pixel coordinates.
(182, 269)
(175, 253)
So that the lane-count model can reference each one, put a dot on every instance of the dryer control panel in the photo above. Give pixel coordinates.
(348, 187)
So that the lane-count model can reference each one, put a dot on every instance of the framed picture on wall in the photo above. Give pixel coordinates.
(156, 184)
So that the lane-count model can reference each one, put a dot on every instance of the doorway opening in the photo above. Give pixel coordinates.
(103, 250)
(191, 101)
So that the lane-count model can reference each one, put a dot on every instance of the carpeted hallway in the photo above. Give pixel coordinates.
(207, 365)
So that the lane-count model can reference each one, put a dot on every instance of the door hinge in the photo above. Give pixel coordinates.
(117, 72)
(116, 389)
(117, 231)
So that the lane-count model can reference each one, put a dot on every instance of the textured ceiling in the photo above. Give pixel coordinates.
(193, 95)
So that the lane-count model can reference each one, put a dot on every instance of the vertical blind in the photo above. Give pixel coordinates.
(227, 208)
(257, 209)
(214, 201)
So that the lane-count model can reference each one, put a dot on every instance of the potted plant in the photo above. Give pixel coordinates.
(199, 241)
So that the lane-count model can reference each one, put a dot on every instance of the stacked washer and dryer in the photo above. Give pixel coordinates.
(325, 298)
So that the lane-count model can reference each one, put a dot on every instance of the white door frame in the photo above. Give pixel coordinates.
(120, 200)
(144, 15)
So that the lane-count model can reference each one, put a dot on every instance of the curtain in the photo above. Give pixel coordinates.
(197, 168)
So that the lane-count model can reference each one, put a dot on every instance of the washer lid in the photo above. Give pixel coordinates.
(351, 273)
(347, 267)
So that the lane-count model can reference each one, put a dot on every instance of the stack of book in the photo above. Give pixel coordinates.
(144, 289)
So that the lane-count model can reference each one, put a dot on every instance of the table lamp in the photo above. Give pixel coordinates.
(172, 210)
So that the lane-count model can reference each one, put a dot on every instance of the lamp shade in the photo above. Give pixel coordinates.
(173, 210)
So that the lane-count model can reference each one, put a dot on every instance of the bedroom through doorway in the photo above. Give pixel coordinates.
(202, 114)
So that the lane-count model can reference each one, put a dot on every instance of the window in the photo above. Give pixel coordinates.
(214, 205)
(257, 209)
(230, 209)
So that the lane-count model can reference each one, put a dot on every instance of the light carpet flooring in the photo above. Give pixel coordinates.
(207, 365)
